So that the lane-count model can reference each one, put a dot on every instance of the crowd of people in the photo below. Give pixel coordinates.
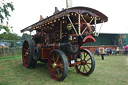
(102, 50)
(111, 51)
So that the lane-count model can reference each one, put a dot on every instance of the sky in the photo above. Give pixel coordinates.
(27, 12)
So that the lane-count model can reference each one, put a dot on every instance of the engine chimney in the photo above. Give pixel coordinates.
(68, 3)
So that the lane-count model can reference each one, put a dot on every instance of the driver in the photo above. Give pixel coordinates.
(37, 36)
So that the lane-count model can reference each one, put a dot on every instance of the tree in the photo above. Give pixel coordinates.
(5, 8)
(9, 36)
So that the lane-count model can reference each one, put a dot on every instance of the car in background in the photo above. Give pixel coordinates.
(3, 45)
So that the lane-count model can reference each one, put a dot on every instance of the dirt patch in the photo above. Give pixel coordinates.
(126, 61)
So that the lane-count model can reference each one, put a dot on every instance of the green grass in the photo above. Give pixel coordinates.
(111, 71)
(2, 58)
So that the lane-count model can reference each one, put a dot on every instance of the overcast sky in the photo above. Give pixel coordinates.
(28, 12)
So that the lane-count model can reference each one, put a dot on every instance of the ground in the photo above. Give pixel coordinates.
(126, 61)
(111, 71)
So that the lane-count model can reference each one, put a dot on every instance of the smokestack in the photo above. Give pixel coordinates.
(41, 18)
(56, 10)
(68, 3)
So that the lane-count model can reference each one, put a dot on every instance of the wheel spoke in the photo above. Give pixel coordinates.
(60, 65)
(26, 45)
(88, 66)
(25, 49)
(61, 69)
(88, 59)
(53, 70)
(57, 57)
(26, 61)
(53, 58)
(81, 55)
(89, 63)
(80, 67)
(24, 55)
(85, 56)
(58, 73)
(61, 62)
(84, 68)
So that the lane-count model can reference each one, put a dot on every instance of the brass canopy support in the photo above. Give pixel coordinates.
(95, 26)
(79, 24)
(100, 28)
(86, 23)
(60, 29)
(72, 24)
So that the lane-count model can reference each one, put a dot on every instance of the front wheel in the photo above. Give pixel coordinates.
(87, 62)
(58, 65)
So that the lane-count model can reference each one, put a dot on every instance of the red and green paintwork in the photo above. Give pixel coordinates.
(62, 36)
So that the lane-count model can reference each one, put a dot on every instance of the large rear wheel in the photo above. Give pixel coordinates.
(28, 53)
(58, 65)
(87, 62)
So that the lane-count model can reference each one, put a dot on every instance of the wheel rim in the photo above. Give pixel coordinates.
(56, 66)
(87, 63)
(25, 54)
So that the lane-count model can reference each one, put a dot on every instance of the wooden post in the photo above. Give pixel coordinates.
(3, 50)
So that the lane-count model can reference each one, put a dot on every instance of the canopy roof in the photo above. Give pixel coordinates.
(85, 11)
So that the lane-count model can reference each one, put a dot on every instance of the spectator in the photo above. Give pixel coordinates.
(126, 49)
(113, 51)
(117, 50)
(105, 51)
(110, 51)
(97, 51)
(102, 52)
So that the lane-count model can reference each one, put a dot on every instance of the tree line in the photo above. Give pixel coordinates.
(13, 36)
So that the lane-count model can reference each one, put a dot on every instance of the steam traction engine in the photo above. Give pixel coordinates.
(62, 36)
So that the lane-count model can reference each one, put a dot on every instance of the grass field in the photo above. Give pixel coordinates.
(111, 71)
(9, 57)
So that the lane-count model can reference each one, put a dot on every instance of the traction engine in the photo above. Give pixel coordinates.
(60, 41)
